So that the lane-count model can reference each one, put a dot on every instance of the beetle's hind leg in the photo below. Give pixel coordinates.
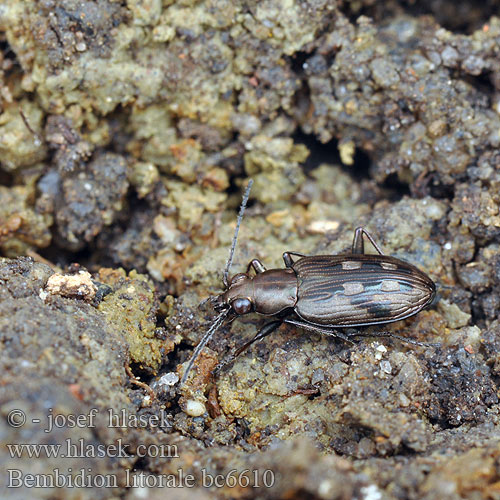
(287, 257)
(266, 330)
(358, 243)
(324, 330)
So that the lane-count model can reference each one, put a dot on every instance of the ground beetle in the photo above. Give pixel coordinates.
(322, 293)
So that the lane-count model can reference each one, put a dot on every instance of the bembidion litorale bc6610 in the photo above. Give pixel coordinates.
(322, 293)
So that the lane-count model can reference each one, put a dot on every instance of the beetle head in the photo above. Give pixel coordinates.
(237, 296)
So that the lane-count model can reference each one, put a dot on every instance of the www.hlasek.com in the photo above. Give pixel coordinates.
(84, 449)
(85, 478)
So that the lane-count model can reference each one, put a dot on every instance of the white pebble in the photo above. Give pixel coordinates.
(386, 366)
(194, 408)
(169, 378)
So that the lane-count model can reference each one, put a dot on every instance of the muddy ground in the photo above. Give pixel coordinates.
(128, 131)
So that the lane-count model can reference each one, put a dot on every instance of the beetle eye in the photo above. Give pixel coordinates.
(238, 277)
(242, 306)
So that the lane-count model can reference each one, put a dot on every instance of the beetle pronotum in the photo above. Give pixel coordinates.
(322, 293)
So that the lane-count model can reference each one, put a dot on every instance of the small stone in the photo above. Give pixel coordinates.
(326, 488)
(169, 378)
(449, 56)
(194, 408)
(436, 128)
(454, 317)
(371, 492)
(346, 151)
(385, 366)
(384, 72)
(473, 65)
(72, 285)
(404, 401)
(323, 226)
(366, 447)
(381, 350)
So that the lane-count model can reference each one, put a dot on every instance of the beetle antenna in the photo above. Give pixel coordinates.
(243, 206)
(215, 325)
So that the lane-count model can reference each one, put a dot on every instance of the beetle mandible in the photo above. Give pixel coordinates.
(322, 293)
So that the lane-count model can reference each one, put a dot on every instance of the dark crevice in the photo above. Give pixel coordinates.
(360, 169)
(462, 17)
(141, 374)
(10, 61)
(297, 62)
(361, 166)
(377, 11)
(484, 86)
(6, 179)
(441, 191)
(63, 258)
(329, 153)
(181, 353)
(396, 188)
(431, 185)
(117, 122)
(319, 152)
(141, 464)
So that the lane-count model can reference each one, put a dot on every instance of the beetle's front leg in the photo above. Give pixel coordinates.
(257, 266)
(266, 330)
(324, 330)
(358, 246)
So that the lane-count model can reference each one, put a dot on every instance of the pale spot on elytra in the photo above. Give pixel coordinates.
(353, 288)
(390, 286)
(349, 265)
(388, 265)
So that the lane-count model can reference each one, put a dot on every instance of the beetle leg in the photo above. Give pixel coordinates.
(358, 241)
(257, 266)
(319, 329)
(393, 335)
(287, 257)
(266, 330)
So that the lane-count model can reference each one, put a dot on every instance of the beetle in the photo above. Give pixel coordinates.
(323, 293)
